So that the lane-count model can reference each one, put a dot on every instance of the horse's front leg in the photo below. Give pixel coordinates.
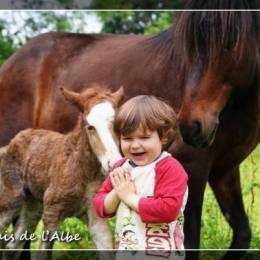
(193, 210)
(227, 191)
(101, 234)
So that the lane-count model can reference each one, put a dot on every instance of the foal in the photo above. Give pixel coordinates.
(49, 175)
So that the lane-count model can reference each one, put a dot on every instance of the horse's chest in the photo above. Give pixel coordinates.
(238, 136)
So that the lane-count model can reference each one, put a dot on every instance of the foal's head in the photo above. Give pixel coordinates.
(98, 107)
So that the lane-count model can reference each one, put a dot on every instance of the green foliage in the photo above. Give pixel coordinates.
(137, 4)
(164, 21)
(6, 44)
(216, 233)
(38, 22)
(7, 48)
(137, 22)
(124, 22)
(95, 4)
(42, 4)
(21, 26)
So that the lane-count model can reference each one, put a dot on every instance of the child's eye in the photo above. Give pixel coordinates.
(126, 138)
(145, 137)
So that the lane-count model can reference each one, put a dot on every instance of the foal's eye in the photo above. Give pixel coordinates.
(90, 127)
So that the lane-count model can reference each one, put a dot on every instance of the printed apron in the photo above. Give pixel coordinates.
(154, 239)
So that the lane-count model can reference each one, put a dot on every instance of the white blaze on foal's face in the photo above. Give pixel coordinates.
(99, 127)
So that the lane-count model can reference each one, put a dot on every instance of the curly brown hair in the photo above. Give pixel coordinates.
(147, 112)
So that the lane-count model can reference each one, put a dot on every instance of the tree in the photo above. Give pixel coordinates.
(138, 22)
(23, 25)
(46, 4)
(137, 4)
(85, 4)
(17, 27)
(7, 46)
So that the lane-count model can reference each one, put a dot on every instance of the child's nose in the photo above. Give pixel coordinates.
(135, 144)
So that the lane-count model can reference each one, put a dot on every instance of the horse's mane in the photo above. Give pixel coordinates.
(206, 36)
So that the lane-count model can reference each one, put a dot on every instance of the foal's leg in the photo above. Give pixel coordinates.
(227, 190)
(9, 209)
(27, 222)
(11, 194)
(6, 218)
(101, 234)
(51, 219)
(99, 230)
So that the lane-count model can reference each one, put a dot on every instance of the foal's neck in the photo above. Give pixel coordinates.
(78, 135)
(88, 160)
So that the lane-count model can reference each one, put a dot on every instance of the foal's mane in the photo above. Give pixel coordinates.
(207, 36)
(96, 93)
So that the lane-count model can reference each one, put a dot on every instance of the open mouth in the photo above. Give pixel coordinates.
(138, 154)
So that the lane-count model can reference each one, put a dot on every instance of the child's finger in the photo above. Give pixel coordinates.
(128, 176)
(121, 176)
(117, 179)
(113, 178)
(118, 170)
(113, 182)
(114, 174)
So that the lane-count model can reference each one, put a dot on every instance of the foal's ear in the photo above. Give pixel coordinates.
(118, 95)
(73, 98)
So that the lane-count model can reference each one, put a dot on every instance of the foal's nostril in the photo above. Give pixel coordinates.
(195, 128)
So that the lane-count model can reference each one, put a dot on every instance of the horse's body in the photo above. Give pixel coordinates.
(217, 100)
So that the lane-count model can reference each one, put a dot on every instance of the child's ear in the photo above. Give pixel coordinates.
(167, 138)
(164, 139)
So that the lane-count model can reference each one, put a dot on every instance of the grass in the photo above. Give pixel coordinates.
(215, 232)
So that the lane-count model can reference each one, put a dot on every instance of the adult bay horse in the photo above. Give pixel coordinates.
(206, 66)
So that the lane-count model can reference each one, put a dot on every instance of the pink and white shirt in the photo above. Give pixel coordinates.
(162, 185)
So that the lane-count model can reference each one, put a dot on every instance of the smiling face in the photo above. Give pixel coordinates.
(141, 147)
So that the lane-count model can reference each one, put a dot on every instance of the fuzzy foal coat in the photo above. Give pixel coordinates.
(54, 167)
(54, 173)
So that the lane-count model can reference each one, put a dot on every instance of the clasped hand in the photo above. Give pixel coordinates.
(122, 183)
